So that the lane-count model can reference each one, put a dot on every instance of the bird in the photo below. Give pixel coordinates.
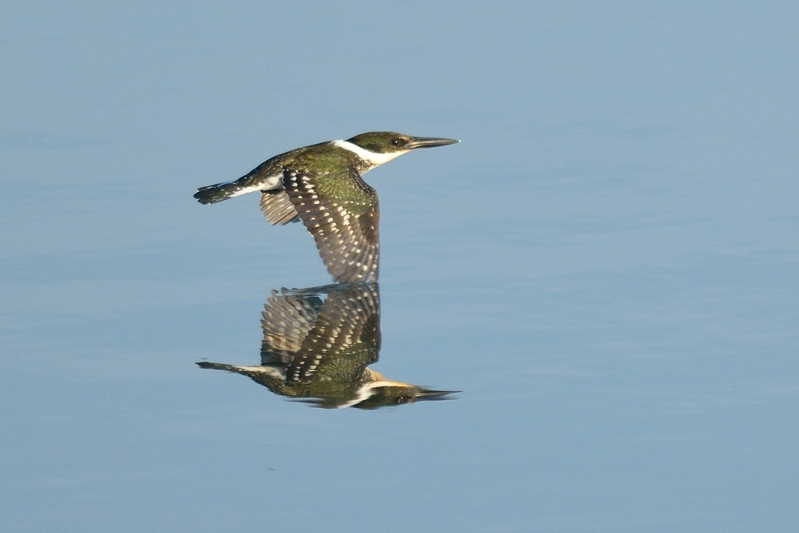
(322, 186)
(317, 346)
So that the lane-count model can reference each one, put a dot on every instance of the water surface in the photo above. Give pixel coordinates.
(606, 267)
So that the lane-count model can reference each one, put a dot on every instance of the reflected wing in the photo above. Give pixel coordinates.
(344, 340)
(286, 321)
(342, 214)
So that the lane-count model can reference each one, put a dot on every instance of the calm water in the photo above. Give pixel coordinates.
(607, 267)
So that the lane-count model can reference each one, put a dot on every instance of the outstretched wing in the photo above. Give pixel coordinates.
(344, 340)
(277, 207)
(342, 214)
(286, 320)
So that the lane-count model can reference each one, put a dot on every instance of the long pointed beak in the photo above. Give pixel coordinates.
(429, 142)
(427, 394)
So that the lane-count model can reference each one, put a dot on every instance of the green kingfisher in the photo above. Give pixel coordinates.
(321, 185)
(317, 345)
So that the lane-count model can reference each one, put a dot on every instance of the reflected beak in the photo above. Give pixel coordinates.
(427, 394)
(429, 142)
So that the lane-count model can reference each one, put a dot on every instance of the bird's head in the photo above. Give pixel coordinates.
(379, 147)
(384, 393)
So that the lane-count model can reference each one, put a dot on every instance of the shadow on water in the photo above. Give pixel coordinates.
(317, 346)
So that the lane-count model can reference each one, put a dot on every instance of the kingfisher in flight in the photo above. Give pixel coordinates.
(322, 186)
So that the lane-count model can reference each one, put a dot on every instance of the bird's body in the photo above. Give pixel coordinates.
(321, 185)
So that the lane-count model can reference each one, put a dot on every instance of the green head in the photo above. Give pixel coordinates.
(386, 143)
(388, 393)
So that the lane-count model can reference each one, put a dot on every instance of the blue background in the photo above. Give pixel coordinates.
(607, 266)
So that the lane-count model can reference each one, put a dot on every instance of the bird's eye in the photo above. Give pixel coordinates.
(397, 141)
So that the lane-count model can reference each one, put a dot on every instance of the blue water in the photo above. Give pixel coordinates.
(607, 267)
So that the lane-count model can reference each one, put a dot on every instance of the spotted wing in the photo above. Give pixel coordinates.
(277, 207)
(342, 214)
(286, 320)
(344, 340)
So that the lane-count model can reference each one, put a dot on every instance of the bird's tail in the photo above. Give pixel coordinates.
(243, 370)
(221, 191)
(217, 366)
(251, 371)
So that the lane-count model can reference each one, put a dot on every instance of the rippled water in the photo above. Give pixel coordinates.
(605, 268)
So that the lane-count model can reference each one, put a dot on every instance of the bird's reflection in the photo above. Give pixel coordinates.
(318, 343)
